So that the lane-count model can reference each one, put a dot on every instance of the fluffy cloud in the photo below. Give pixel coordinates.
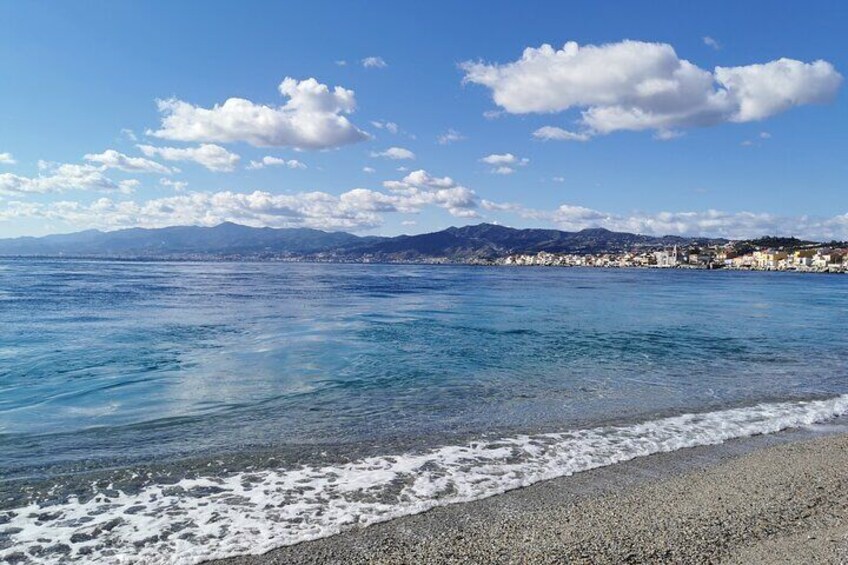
(55, 177)
(634, 85)
(396, 153)
(419, 188)
(112, 159)
(7, 159)
(313, 118)
(374, 63)
(712, 223)
(213, 157)
(269, 161)
(504, 163)
(355, 209)
(313, 209)
(177, 185)
(449, 137)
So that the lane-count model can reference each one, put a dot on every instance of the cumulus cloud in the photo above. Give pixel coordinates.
(419, 188)
(314, 117)
(396, 153)
(356, 209)
(128, 186)
(112, 159)
(709, 223)
(269, 161)
(504, 163)
(56, 177)
(374, 63)
(635, 85)
(450, 136)
(7, 159)
(213, 157)
(177, 185)
(368, 170)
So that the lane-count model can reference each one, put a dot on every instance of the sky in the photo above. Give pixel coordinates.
(722, 119)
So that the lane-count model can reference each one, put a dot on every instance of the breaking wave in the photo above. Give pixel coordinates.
(252, 512)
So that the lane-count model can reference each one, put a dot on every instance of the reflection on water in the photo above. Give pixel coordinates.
(101, 359)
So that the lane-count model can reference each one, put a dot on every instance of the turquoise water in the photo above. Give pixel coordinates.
(109, 366)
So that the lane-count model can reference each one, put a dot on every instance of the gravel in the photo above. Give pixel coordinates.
(772, 499)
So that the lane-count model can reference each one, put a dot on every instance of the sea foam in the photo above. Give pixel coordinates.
(253, 512)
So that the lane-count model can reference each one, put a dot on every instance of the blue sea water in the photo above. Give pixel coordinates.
(375, 375)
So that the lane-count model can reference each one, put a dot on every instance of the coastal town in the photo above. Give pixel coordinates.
(812, 259)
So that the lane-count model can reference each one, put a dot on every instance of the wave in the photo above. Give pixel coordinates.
(210, 517)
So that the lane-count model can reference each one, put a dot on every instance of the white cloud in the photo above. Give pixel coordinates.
(558, 179)
(57, 177)
(129, 134)
(391, 127)
(396, 153)
(213, 157)
(112, 159)
(269, 161)
(355, 209)
(341, 63)
(313, 118)
(709, 223)
(177, 185)
(128, 186)
(503, 159)
(548, 133)
(504, 163)
(374, 63)
(710, 42)
(450, 136)
(7, 159)
(634, 85)
(368, 170)
(419, 188)
(765, 135)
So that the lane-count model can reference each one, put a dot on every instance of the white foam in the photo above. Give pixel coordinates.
(251, 513)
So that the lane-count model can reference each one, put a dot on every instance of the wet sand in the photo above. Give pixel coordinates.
(781, 498)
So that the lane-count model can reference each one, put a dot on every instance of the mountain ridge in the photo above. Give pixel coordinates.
(228, 239)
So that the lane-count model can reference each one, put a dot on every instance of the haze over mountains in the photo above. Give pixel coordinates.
(483, 241)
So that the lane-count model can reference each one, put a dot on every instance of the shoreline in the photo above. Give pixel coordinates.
(435, 263)
(775, 498)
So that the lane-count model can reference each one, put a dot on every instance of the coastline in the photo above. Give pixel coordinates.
(776, 498)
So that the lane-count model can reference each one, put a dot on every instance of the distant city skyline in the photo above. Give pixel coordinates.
(725, 120)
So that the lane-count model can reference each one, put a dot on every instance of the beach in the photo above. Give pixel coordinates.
(779, 498)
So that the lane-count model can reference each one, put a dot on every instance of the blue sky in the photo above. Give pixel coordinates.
(723, 119)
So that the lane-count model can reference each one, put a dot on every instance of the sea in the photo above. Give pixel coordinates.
(173, 412)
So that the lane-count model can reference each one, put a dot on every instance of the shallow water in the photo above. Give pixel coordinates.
(294, 400)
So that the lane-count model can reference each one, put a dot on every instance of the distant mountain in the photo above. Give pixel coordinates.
(224, 239)
(480, 242)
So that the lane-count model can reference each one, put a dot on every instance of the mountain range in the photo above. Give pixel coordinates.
(478, 242)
